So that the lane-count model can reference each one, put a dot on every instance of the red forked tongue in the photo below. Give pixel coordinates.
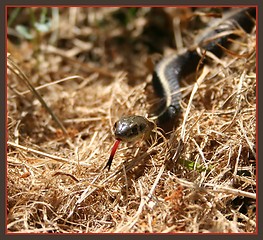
(113, 151)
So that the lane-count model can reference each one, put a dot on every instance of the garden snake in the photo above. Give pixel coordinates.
(171, 70)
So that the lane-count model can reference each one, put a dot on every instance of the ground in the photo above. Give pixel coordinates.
(89, 67)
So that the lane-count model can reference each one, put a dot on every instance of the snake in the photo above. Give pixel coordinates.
(170, 70)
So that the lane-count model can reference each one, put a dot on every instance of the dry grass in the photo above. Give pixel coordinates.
(199, 179)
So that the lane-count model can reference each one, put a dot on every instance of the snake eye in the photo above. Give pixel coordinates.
(134, 130)
(142, 126)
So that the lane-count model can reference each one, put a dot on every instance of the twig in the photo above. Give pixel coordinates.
(56, 158)
(19, 73)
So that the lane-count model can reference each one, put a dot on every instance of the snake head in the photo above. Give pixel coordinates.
(132, 128)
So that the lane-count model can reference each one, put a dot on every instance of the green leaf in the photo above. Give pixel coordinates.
(191, 165)
(24, 32)
(42, 27)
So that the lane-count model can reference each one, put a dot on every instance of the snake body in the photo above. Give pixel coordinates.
(171, 70)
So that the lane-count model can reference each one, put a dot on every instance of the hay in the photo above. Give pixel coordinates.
(201, 178)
